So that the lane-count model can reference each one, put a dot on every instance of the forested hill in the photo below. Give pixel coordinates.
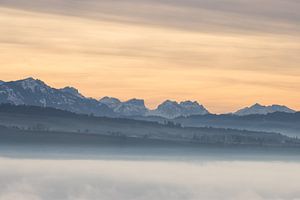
(285, 123)
(28, 119)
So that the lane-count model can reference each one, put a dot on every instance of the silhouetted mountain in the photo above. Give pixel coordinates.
(263, 110)
(132, 107)
(35, 92)
(171, 109)
(111, 102)
(72, 91)
(168, 109)
(192, 108)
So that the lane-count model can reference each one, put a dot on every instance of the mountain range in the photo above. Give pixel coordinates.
(263, 110)
(172, 109)
(35, 92)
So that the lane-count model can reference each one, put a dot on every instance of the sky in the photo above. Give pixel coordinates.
(226, 54)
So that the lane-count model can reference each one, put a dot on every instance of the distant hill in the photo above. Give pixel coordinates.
(33, 119)
(282, 122)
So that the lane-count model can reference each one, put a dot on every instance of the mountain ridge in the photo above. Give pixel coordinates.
(30, 91)
(261, 109)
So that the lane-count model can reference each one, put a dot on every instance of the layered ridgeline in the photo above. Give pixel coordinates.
(274, 118)
(263, 110)
(38, 125)
(35, 92)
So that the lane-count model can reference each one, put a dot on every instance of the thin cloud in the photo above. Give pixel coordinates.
(270, 16)
(193, 49)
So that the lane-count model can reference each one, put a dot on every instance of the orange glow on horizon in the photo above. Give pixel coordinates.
(223, 71)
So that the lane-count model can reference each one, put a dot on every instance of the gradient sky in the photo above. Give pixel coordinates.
(226, 54)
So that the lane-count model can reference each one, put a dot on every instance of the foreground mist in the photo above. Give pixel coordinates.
(36, 179)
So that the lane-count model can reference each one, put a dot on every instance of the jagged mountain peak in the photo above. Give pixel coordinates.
(192, 108)
(30, 80)
(35, 92)
(111, 102)
(136, 101)
(30, 91)
(30, 84)
(169, 103)
(257, 105)
(172, 109)
(263, 110)
(107, 98)
(73, 91)
(132, 107)
(189, 103)
(277, 106)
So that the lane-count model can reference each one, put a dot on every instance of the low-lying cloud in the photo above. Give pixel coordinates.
(147, 180)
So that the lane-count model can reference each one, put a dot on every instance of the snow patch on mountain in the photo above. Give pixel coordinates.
(111, 102)
(73, 91)
(132, 107)
(32, 91)
(168, 109)
(14, 97)
(35, 92)
(172, 109)
(31, 84)
(192, 108)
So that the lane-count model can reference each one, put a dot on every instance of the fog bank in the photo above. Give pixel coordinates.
(25, 179)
